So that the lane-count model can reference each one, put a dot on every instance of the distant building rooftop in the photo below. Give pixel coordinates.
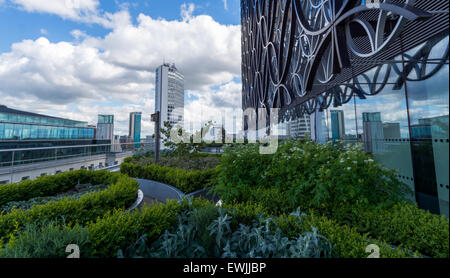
(7, 110)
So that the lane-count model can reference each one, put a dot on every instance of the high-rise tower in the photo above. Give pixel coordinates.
(169, 99)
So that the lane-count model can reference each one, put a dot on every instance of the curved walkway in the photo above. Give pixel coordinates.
(156, 192)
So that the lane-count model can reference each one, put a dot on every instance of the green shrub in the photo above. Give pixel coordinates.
(407, 226)
(312, 175)
(208, 232)
(76, 193)
(199, 161)
(119, 195)
(48, 240)
(241, 167)
(186, 181)
(346, 242)
(118, 229)
(273, 200)
(336, 182)
(51, 185)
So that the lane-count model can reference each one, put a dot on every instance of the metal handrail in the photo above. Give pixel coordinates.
(69, 147)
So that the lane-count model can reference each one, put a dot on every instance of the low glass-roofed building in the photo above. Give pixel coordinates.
(23, 130)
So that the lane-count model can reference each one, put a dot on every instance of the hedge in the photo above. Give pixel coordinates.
(119, 229)
(407, 226)
(51, 185)
(186, 181)
(347, 242)
(88, 208)
(403, 225)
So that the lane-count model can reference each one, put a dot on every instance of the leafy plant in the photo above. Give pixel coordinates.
(46, 240)
(52, 185)
(407, 226)
(185, 144)
(186, 181)
(121, 194)
(342, 183)
(258, 240)
(75, 194)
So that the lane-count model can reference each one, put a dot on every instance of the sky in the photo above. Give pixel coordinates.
(80, 58)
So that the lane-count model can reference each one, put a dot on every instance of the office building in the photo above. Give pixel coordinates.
(105, 127)
(391, 131)
(299, 127)
(21, 130)
(169, 94)
(337, 125)
(135, 128)
(332, 64)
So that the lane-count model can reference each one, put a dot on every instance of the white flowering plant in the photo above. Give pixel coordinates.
(333, 179)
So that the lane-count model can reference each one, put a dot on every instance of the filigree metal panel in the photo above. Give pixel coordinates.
(293, 51)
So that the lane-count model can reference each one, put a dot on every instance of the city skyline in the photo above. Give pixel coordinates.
(101, 57)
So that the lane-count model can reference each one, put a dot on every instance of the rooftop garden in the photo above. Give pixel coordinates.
(305, 201)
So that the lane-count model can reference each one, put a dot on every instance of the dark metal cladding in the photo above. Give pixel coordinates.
(304, 55)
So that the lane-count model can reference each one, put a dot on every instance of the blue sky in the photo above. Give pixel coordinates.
(80, 58)
(17, 24)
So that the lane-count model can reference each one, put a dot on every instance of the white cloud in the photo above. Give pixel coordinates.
(68, 9)
(78, 34)
(86, 11)
(213, 104)
(207, 52)
(115, 74)
(186, 11)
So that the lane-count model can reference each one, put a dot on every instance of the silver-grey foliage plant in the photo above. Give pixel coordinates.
(260, 240)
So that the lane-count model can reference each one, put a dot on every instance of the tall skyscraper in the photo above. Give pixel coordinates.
(299, 127)
(337, 125)
(135, 128)
(169, 99)
(391, 130)
(105, 127)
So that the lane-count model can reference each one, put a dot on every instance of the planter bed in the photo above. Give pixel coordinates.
(73, 194)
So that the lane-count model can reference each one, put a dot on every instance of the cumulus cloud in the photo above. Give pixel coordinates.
(207, 52)
(115, 74)
(86, 11)
(214, 105)
(186, 11)
(67, 9)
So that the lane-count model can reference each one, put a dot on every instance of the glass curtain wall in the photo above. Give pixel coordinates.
(427, 86)
(401, 116)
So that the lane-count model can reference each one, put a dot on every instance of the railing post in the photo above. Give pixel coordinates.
(156, 118)
(12, 166)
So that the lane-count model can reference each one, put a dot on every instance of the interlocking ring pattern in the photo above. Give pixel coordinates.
(288, 46)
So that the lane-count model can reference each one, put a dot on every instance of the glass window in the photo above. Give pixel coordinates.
(34, 132)
(17, 131)
(12, 118)
(428, 93)
(26, 132)
(2, 131)
(3, 117)
(341, 121)
(383, 120)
